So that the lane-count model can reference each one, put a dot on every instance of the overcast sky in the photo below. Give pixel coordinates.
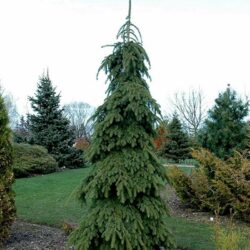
(191, 44)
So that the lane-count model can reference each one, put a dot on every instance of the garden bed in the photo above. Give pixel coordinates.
(27, 236)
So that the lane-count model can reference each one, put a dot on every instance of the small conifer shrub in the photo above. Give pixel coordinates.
(176, 146)
(7, 206)
(123, 189)
(216, 184)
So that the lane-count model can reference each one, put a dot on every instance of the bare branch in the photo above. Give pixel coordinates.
(190, 109)
(79, 114)
(11, 107)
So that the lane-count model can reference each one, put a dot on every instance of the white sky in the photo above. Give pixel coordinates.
(191, 44)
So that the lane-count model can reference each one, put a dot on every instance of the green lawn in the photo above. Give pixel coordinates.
(186, 169)
(50, 200)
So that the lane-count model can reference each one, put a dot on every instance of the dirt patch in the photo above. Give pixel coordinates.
(177, 209)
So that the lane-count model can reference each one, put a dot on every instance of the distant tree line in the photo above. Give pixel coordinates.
(222, 130)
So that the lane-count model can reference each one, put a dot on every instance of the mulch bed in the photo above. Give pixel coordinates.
(178, 209)
(27, 236)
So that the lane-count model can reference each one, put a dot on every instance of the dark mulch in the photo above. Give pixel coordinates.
(26, 236)
(178, 209)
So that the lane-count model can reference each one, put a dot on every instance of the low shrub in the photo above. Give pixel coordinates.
(32, 159)
(182, 184)
(230, 237)
(216, 184)
(72, 158)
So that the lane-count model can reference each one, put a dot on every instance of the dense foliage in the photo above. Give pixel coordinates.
(32, 159)
(124, 185)
(50, 128)
(225, 128)
(176, 146)
(7, 206)
(217, 185)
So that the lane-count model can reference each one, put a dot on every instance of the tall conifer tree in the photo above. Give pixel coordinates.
(225, 128)
(7, 206)
(124, 186)
(50, 128)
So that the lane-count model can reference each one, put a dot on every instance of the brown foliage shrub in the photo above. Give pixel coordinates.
(68, 228)
(82, 144)
(161, 137)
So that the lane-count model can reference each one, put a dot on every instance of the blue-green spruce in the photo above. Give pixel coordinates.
(49, 127)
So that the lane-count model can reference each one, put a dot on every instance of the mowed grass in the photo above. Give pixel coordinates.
(50, 200)
(186, 169)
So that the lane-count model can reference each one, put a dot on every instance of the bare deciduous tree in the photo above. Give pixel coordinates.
(191, 109)
(11, 107)
(79, 114)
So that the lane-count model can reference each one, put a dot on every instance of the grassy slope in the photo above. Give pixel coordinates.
(46, 200)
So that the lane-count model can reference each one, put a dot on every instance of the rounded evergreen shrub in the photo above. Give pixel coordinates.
(216, 185)
(32, 159)
(7, 205)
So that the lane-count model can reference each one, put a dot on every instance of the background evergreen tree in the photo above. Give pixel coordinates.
(21, 133)
(127, 211)
(225, 128)
(7, 206)
(50, 128)
(177, 146)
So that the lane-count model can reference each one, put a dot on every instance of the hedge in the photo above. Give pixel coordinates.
(31, 160)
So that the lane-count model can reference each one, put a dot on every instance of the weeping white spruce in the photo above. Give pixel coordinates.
(123, 189)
